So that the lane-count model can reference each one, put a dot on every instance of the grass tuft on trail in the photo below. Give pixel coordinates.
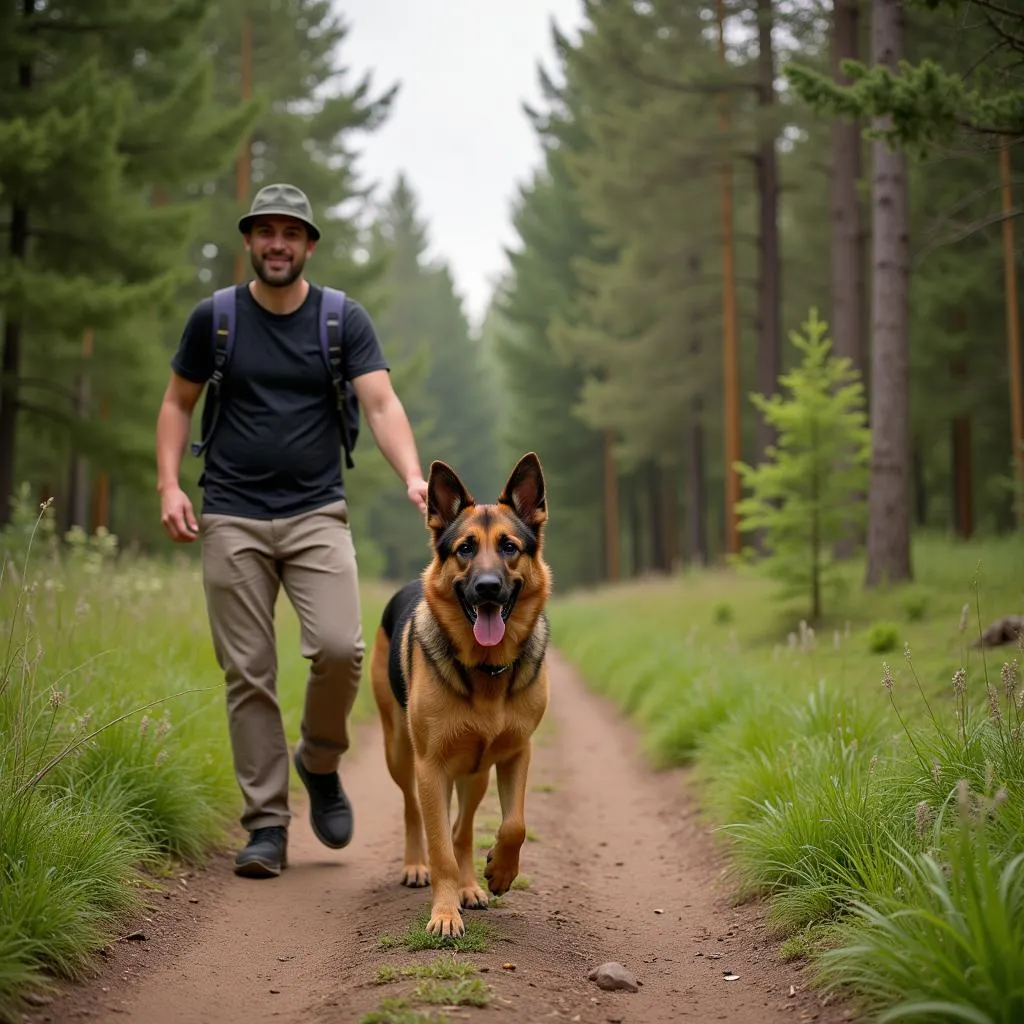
(830, 759)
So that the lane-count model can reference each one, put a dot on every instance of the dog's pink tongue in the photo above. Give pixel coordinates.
(489, 627)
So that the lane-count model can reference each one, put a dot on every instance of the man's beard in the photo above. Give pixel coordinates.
(277, 278)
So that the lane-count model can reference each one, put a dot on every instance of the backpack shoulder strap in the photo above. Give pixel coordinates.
(332, 329)
(223, 339)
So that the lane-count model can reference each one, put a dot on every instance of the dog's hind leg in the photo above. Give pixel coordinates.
(398, 754)
(400, 764)
(503, 859)
(471, 789)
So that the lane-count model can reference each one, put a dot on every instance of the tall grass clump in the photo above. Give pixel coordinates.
(111, 755)
(875, 802)
(115, 761)
(950, 945)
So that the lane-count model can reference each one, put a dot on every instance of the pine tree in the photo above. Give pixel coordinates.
(426, 336)
(79, 137)
(544, 383)
(799, 497)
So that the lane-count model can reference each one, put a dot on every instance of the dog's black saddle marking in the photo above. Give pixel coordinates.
(397, 612)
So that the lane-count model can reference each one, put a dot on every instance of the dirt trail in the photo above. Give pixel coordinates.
(613, 845)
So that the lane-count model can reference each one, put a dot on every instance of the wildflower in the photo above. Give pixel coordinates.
(936, 773)
(872, 763)
(144, 725)
(43, 506)
(56, 698)
(922, 818)
(993, 704)
(906, 651)
(964, 613)
(887, 676)
(959, 681)
(1009, 677)
(161, 757)
(1000, 797)
(163, 727)
(835, 640)
(963, 798)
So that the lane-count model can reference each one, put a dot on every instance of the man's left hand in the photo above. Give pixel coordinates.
(417, 491)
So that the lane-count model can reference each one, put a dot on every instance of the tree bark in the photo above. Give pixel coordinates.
(10, 361)
(963, 474)
(847, 238)
(636, 527)
(888, 555)
(612, 562)
(847, 235)
(769, 349)
(656, 516)
(696, 482)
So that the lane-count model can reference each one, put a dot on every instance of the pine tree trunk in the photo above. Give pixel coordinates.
(611, 511)
(888, 554)
(636, 528)
(920, 489)
(847, 236)
(697, 491)
(769, 350)
(79, 499)
(10, 361)
(696, 482)
(848, 241)
(963, 503)
(670, 517)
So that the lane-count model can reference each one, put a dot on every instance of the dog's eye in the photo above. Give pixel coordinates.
(465, 549)
(508, 549)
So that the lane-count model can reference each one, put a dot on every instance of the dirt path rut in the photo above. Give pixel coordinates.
(619, 868)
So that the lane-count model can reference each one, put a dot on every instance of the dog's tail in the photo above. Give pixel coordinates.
(402, 601)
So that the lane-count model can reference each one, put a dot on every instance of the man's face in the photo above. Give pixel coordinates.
(278, 248)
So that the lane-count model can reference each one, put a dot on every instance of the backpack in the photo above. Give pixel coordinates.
(330, 316)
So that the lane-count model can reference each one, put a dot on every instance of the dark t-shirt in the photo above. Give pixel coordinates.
(276, 451)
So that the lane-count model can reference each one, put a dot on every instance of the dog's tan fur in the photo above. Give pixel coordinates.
(463, 716)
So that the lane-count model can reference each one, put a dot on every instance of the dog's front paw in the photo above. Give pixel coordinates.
(415, 876)
(501, 870)
(472, 897)
(446, 923)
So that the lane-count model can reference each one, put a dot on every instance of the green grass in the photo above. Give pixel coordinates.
(114, 755)
(827, 758)
(476, 939)
(445, 980)
(444, 967)
(398, 1011)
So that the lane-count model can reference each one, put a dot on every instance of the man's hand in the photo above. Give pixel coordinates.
(177, 516)
(416, 488)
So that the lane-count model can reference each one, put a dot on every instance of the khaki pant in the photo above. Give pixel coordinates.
(245, 563)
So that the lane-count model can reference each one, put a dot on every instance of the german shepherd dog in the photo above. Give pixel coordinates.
(460, 681)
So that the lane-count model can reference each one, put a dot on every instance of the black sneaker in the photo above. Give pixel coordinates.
(265, 855)
(330, 813)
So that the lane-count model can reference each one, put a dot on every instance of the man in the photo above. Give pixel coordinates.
(275, 514)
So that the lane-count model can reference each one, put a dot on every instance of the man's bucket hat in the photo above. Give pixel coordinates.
(283, 200)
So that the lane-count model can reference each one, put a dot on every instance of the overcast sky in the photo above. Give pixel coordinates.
(457, 130)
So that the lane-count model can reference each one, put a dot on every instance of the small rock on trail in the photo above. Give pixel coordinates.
(612, 977)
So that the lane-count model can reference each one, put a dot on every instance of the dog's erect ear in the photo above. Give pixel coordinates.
(524, 492)
(446, 497)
